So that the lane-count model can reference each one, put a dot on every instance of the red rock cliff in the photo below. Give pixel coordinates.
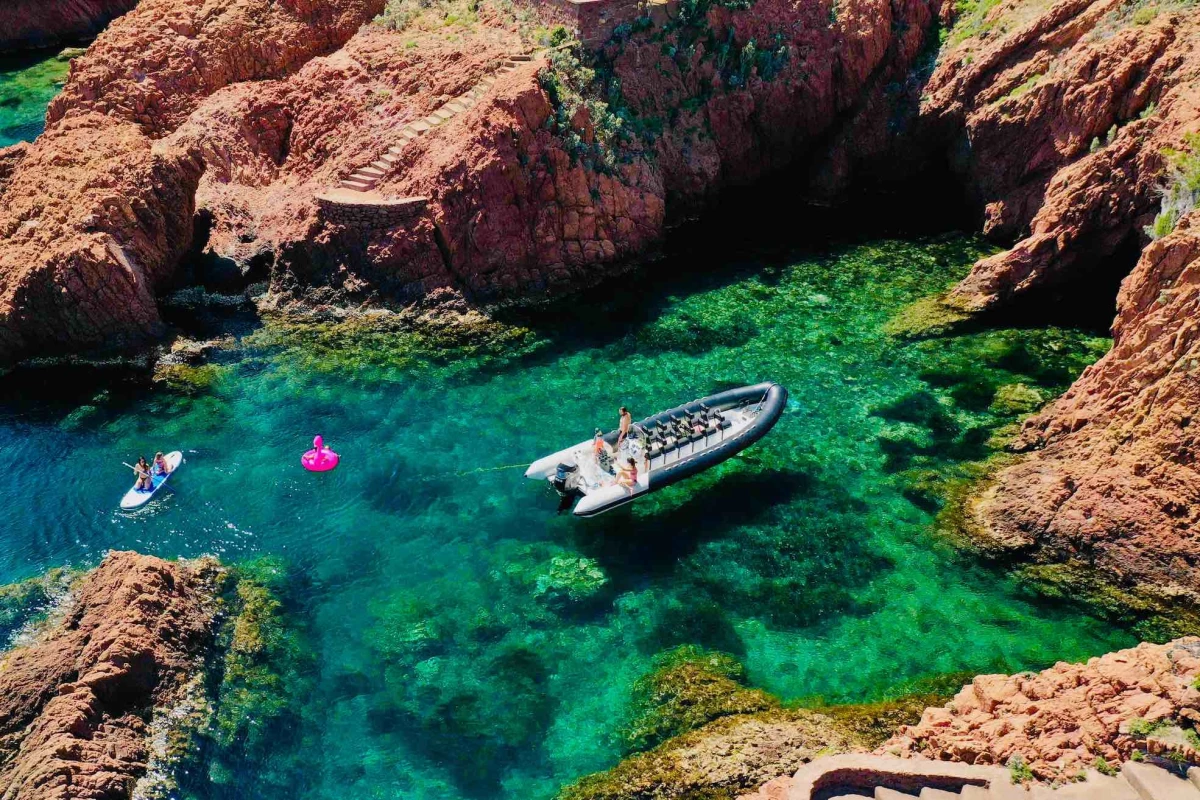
(95, 215)
(517, 204)
(46, 23)
(1112, 478)
(73, 707)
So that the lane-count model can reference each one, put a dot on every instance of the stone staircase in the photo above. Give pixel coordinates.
(365, 178)
(854, 777)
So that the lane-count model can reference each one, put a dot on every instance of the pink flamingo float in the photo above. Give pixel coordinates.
(320, 458)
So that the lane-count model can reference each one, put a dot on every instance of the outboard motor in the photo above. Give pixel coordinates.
(566, 479)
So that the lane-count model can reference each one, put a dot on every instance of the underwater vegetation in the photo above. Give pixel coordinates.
(25, 602)
(27, 85)
(421, 623)
(258, 686)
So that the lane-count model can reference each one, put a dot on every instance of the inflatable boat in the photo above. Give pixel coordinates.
(666, 448)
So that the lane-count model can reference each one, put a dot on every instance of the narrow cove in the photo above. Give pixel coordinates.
(445, 633)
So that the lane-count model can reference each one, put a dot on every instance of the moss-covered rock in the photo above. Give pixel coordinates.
(1017, 398)
(260, 682)
(724, 759)
(929, 316)
(687, 689)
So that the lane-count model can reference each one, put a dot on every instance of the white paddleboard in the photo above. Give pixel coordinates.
(136, 498)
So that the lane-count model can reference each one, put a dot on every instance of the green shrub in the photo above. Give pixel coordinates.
(1144, 15)
(1140, 726)
(1182, 192)
(573, 86)
(1104, 768)
(1018, 770)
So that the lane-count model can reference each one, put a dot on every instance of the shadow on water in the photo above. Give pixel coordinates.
(747, 232)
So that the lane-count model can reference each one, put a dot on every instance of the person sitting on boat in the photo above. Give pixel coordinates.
(160, 465)
(142, 470)
(628, 476)
(626, 422)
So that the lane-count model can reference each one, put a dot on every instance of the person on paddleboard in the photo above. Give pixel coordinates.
(142, 470)
(161, 467)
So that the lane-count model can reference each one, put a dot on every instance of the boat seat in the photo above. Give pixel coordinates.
(695, 437)
(654, 452)
(669, 446)
(724, 423)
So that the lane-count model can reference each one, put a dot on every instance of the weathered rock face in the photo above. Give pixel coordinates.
(1053, 116)
(516, 208)
(95, 215)
(92, 224)
(1064, 718)
(73, 706)
(1112, 480)
(1059, 113)
(156, 64)
(46, 23)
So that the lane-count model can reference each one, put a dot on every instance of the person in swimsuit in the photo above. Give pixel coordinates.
(142, 470)
(160, 465)
(626, 422)
(628, 477)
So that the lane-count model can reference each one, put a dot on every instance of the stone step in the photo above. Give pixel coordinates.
(882, 793)
(487, 80)
(368, 180)
(938, 794)
(432, 121)
(456, 106)
(970, 792)
(1006, 790)
(1098, 786)
(370, 172)
(521, 57)
(1153, 783)
(394, 151)
(847, 797)
(1193, 774)
(443, 114)
(384, 163)
(358, 186)
(420, 126)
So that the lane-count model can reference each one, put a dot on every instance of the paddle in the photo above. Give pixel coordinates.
(141, 471)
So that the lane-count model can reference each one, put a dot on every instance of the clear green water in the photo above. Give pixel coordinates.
(28, 83)
(450, 641)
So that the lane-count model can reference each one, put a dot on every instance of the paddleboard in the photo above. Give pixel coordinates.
(136, 498)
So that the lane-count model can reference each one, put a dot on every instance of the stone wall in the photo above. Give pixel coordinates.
(368, 214)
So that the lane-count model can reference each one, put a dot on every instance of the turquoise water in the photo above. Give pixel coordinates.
(454, 636)
(28, 82)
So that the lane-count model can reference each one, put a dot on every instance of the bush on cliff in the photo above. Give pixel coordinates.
(591, 131)
(1182, 192)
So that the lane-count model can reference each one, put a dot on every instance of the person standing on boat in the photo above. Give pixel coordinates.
(626, 423)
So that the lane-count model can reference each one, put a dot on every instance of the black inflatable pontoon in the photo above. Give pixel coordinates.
(667, 447)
